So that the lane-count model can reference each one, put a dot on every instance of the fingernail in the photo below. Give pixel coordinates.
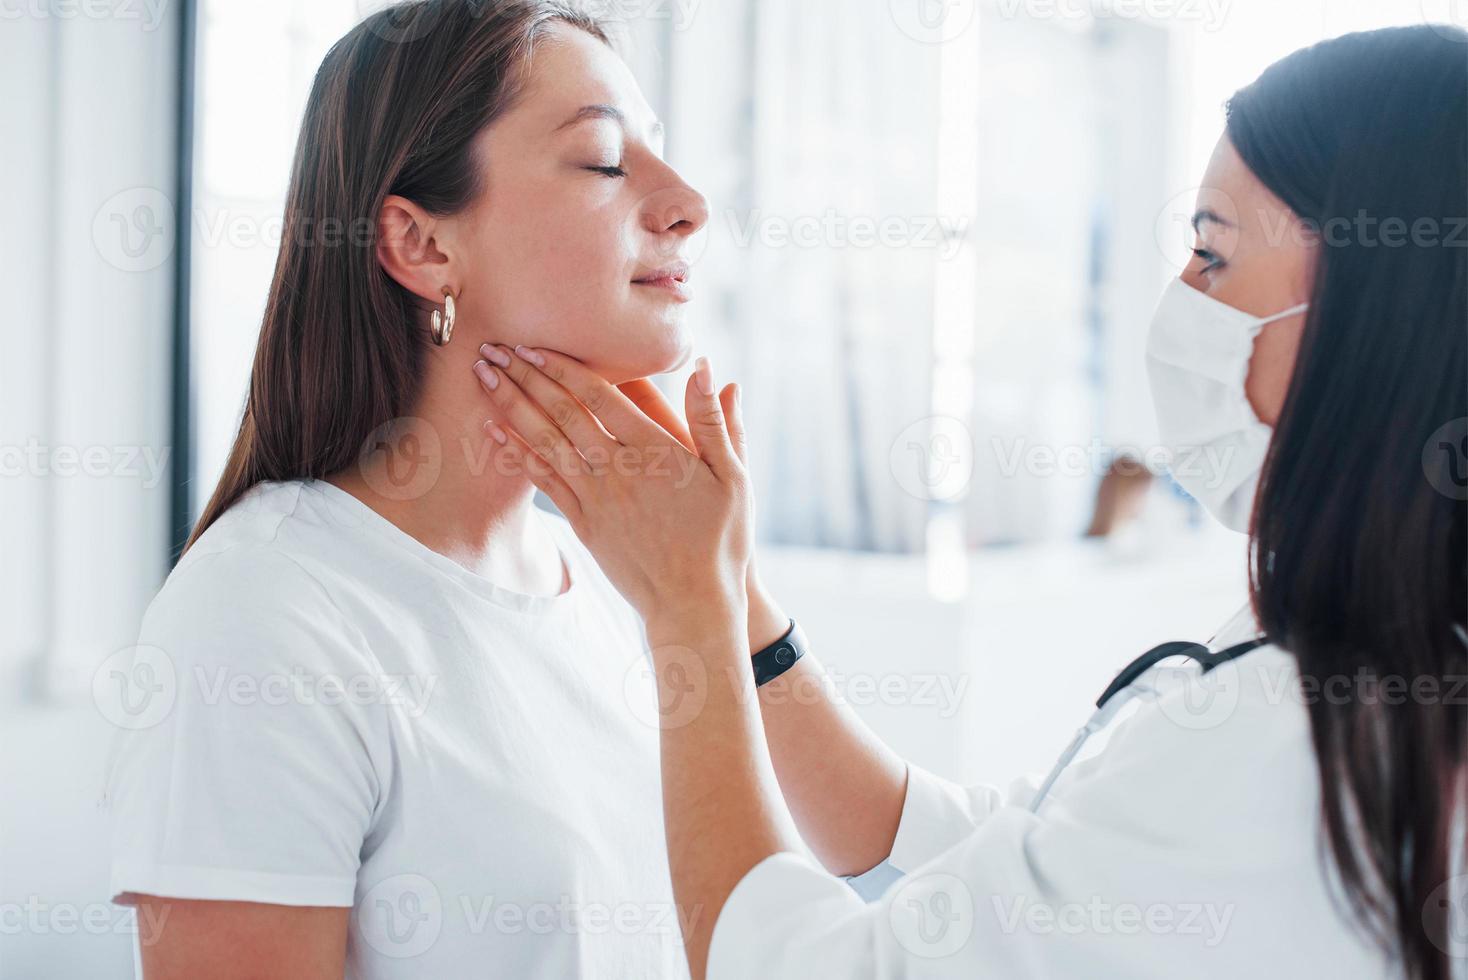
(495, 354)
(495, 432)
(487, 375)
(738, 399)
(703, 376)
(532, 356)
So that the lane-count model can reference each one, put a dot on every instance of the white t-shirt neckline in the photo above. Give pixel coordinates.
(354, 511)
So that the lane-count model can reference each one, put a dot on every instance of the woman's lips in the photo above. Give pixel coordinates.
(672, 280)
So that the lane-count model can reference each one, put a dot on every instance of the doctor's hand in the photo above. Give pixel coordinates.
(670, 525)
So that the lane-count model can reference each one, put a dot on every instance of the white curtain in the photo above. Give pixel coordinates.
(85, 375)
(811, 127)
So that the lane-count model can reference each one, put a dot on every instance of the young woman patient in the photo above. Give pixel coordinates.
(411, 731)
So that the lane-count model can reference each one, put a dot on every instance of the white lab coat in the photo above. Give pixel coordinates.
(1190, 846)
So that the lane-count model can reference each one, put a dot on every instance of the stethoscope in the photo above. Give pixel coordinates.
(1134, 681)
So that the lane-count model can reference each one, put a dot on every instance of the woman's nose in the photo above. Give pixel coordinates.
(678, 209)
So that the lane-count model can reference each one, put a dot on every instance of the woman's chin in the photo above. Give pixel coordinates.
(651, 356)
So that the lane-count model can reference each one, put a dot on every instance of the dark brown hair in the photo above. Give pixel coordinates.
(1360, 542)
(394, 109)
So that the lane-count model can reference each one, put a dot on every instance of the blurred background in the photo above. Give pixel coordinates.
(938, 231)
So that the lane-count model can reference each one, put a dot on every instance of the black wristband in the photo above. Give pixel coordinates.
(779, 656)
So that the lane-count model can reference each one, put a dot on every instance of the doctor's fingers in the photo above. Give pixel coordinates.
(579, 424)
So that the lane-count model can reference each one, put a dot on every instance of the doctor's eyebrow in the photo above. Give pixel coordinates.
(1210, 216)
(603, 111)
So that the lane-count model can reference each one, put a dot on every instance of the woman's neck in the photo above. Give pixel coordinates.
(436, 475)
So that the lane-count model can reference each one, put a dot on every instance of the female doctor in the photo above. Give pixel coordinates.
(1307, 819)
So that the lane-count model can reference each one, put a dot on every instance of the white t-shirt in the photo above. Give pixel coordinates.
(327, 712)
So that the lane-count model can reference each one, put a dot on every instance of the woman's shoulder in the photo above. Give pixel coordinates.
(244, 592)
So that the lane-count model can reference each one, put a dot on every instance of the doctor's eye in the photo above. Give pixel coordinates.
(1210, 260)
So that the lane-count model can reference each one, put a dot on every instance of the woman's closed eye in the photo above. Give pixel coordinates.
(614, 170)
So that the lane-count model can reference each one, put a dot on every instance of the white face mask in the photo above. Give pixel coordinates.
(1198, 352)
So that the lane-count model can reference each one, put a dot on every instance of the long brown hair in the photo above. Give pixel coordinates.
(394, 109)
(1360, 560)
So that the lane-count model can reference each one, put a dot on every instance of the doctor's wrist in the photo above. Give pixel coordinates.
(767, 621)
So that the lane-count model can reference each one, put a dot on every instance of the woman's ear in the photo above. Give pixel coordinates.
(408, 250)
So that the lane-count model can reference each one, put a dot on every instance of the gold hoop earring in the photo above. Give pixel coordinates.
(443, 322)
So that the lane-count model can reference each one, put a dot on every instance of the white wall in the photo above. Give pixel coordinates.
(87, 152)
(84, 404)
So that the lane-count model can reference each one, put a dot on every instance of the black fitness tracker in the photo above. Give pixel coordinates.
(779, 656)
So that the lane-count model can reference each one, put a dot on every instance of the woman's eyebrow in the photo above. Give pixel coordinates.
(604, 111)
